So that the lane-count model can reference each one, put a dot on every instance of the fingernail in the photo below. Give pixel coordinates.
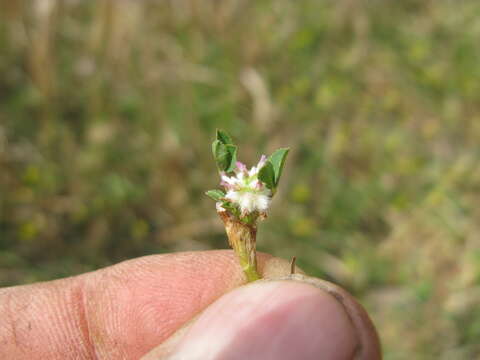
(271, 320)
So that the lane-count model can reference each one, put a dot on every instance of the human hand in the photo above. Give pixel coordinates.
(184, 306)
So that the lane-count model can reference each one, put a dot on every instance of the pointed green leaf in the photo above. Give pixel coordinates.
(267, 175)
(220, 154)
(232, 151)
(216, 148)
(278, 161)
(216, 195)
(223, 137)
(227, 205)
(225, 155)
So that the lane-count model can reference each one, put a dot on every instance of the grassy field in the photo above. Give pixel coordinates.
(108, 109)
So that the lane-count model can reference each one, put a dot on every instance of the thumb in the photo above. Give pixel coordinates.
(268, 320)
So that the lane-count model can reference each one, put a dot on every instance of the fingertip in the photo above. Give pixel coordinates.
(269, 320)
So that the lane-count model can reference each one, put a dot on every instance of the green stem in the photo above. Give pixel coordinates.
(251, 273)
(242, 239)
(249, 267)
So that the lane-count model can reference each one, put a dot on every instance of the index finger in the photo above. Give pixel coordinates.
(119, 312)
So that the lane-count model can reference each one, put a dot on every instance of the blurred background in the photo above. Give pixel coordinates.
(108, 110)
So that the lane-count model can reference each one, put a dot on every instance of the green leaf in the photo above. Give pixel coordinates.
(223, 137)
(267, 175)
(232, 150)
(225, 155)
(220, 155)
(216, 195)
(216, 148)
(278, 161)
(227, 205)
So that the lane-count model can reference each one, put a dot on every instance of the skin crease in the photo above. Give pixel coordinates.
(126, 310)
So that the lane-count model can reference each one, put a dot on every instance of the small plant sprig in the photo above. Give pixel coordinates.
(246, 197)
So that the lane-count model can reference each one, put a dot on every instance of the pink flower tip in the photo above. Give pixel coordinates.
(263, 160)
(226, 185)
(241, 166)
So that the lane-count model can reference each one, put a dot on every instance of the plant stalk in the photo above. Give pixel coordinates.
(242, 238)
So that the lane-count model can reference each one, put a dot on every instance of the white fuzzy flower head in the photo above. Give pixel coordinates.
(245, 189)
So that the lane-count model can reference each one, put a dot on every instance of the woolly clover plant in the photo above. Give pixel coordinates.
(246, 197)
